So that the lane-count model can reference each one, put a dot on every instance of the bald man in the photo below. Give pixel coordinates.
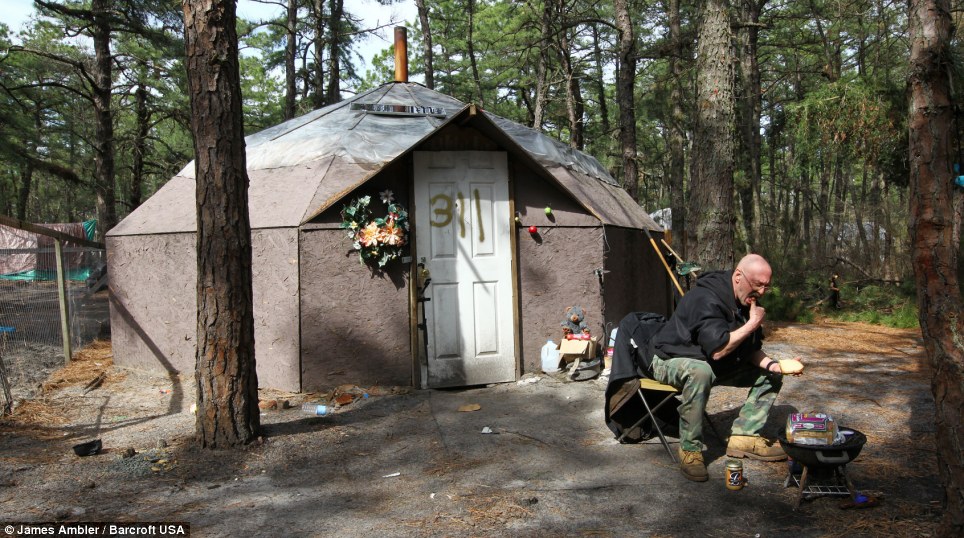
(715, 338)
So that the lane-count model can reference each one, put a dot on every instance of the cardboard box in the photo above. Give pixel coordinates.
(570, 350)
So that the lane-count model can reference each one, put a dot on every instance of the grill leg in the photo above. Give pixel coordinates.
(803, 486)
(850, 485)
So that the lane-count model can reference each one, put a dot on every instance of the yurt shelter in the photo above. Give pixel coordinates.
(506, 229)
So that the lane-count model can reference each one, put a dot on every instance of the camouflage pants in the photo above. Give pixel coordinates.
(695, 378)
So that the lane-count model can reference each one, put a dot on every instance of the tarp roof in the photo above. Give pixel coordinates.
(302, 166)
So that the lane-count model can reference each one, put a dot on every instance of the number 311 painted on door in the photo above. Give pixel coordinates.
(442, 212)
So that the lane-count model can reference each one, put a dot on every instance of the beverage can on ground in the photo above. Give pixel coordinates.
(734, 474)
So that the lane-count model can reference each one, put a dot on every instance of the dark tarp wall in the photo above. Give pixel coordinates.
(637, 280)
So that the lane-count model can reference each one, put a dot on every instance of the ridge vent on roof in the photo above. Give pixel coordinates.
(399, 110)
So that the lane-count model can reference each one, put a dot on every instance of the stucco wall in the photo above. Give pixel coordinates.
(556, 266)
(274, 268)
(153, 283)
(553, 275)
(153, 302)
(354, 325)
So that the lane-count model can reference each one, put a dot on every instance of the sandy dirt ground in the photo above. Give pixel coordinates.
(404, 462)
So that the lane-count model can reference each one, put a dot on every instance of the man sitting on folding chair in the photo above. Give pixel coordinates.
(714, 338)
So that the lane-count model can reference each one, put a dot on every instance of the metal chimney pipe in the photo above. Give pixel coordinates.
(401, 54)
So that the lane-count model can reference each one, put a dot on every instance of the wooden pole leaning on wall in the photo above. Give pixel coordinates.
(669, 271)
(62, 299)
(659, 254)
(662, 258)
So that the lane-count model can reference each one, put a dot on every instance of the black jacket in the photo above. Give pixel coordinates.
(702, 324)
(632, 358)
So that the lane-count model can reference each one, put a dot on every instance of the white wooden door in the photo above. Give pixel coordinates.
(462, 234)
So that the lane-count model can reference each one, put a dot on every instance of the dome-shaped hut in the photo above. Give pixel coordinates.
(472, 185)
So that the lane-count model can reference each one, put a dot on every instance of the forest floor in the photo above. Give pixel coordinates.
(404, 462)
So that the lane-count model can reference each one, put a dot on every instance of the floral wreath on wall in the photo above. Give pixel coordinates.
(379, 239)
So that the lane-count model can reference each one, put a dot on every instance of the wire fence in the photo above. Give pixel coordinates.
(31, 326)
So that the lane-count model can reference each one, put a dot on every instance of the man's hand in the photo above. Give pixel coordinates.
(741, 333)
(791, 366)
(757, 313)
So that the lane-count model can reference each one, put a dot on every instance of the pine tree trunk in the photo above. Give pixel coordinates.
(227, 383)
(318, 46)
(823, 209)
(140, 141)
(102, 86)
(860, 203)
(473, 61)
(677, 131)
(291, 49)
(839, 205)
(750, 112)
(711, 220)
(27, 169)
(334, 53)
(23, 192)
(804, 209)
(542, 68)
(574, 104)
(599, 84)
(933, 222)
(427, 54)
(625, 78)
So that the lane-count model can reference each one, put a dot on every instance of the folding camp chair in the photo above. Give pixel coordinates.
(641, 384)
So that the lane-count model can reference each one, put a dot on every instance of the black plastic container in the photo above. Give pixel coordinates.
(89, 448)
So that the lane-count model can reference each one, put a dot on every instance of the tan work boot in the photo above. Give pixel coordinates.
(692, 466)
(755, 448)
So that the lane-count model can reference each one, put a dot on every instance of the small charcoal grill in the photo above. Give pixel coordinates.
(822, 469)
